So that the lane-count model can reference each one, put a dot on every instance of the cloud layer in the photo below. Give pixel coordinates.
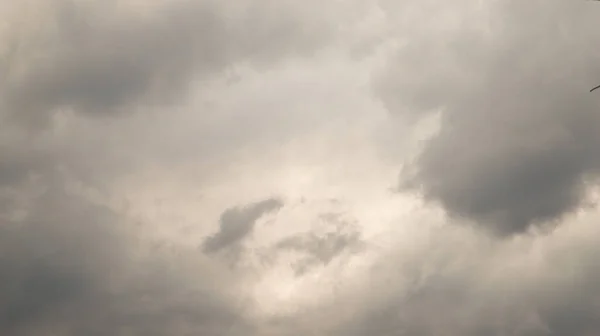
(237, 223)
(518, 137)
(100, 58)
(142, 141)
(71, 265)
(71, 262)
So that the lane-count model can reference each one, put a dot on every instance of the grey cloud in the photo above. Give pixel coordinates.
(82, 58)
(70, 266)
(322, 248)
(18, 166)
(237, 223)
(101, 59)
(34, 292)
(25, 155)
(520, 133)
(42, 265)
(458, 283)
(73, 265)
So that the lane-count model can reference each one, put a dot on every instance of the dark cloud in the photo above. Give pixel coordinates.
(237, 223)
(520, 132)
(100, 58)
(43, 262)
(74, 265)
(69, 263)
(34, 292)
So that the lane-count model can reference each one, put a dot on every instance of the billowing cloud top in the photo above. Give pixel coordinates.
(519, 132)
(208, 167)
(98, 57)
(237, 223)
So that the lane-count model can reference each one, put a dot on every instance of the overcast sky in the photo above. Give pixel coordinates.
(287, 167)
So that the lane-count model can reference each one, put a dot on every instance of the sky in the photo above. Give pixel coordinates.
(286, 168)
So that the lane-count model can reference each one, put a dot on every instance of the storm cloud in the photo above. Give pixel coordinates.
(340, 237)
(101, 58)
(141, 144)
(72, 265)
(527, 287)
(237, 223)
(71, 261)
(519, 130)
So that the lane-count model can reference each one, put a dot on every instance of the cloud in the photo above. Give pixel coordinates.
(65, 263)
(530, 287)
(104, 58)
(71, 261)
(237, 223)
(457, 281)
(74, 265)
(85, 248)
(317, 248)
(519, 131)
